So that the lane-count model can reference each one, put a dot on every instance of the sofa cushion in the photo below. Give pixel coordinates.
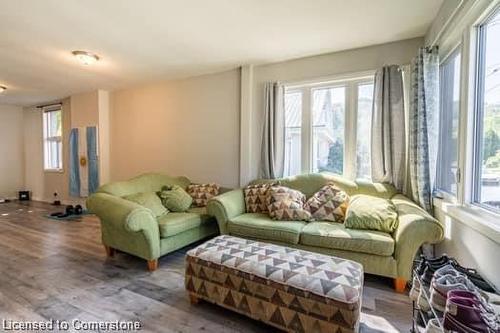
(175, 198)
(172, 224)
(260, 226)
(149, 200)
(256, 197)
(328, 204)
(201, 193)
(336, 236)
(371, 213)
(286, 204)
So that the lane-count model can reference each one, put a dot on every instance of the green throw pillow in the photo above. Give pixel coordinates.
(175, 198)
(372, 213)
(149, 200)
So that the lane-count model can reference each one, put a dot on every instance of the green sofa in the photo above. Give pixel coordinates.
(132, 228)
(380, 253)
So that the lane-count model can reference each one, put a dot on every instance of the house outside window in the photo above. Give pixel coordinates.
(317, 118)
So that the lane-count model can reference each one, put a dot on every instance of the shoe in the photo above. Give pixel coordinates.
(446, 270)
(475, 278)
(442, 285)
(423, 296)
(433, 326)
(465, 315)
(479, 299)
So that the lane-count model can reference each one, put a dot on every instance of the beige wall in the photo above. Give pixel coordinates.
(187, 127)
(351, 61)
(78, 111)
(11, 151)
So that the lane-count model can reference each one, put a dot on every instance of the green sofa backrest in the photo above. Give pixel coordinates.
(147, 182)
(312, 182)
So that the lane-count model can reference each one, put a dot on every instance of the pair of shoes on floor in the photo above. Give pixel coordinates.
(468, 312)
(427, 266)
(426, 271)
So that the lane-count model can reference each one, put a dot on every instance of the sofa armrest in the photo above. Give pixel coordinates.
(226, 206)
(415, 228)
(123, 222)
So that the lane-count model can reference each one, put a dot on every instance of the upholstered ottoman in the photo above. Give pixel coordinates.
(294, 290)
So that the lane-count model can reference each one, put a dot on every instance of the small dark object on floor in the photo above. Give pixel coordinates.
(24, 195)
(70, 210)
(4, 200)
(56, 203)
(78, 210)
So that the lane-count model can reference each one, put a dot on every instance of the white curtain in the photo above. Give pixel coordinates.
(273, 136)
(388, 135)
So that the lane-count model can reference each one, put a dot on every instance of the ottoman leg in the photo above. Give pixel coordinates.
(400, 285)
(193, 299)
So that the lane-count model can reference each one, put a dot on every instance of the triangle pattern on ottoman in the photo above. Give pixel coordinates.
(293, 290)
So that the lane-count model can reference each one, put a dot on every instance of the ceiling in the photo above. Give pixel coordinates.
(150, 40)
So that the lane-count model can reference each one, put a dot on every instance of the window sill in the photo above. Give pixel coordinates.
(479, 219)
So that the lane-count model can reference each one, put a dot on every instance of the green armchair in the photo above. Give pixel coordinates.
(380, 253)
(132, 228)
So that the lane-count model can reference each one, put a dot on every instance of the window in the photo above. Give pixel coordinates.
(364, 130)
(52, 139)
(449, 79)
(486, 171)
(320, 127)
(293, 132)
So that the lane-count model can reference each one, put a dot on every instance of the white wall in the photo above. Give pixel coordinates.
(11, 151)
(350, 61)
(186, 127)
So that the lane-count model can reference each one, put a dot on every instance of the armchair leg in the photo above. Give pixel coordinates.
(400, 285)
(152, 265)
(110, 252)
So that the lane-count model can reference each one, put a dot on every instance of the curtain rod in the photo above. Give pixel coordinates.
(46, 105)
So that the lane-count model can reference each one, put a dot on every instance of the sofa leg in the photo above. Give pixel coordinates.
(110, 252)
(193, 299)
(400, 285)
(152, 265)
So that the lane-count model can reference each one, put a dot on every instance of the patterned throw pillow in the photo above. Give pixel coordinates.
(328, 204)
(201, 193)
(287, 205)
(256, 197)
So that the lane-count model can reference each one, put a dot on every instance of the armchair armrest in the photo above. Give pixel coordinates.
(126, 225)
(415, 228)
(226, 206)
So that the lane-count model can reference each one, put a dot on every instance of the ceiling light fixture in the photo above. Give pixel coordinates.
(2, 89)
(85, 57)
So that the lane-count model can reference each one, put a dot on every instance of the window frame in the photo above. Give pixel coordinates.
(449, 196)
(46, 139)
(350, 82)
(478, 112)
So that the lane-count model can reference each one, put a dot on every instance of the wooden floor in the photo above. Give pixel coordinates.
(58, 270)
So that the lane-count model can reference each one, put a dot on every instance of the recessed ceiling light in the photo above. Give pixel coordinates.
(2, 89)
(85, 57)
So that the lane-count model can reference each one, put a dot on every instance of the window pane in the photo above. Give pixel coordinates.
(52, 133)
(448, 135)
(293, 131)
(488, 184)
(328, 129)
(364, 124)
